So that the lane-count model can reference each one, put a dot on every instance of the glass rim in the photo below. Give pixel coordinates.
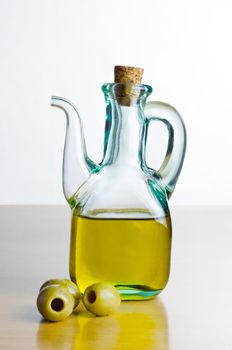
(108, 87)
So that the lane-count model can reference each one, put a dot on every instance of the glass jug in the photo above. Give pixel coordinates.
(121, 226)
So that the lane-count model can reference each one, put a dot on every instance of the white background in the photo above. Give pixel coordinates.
(69, 48)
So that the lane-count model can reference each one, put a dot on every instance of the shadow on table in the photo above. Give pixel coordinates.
(138, 325)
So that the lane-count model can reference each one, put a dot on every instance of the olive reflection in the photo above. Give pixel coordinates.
(57, 335)
(137, 325)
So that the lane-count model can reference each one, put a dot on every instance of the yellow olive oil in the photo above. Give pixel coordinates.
(131, 254)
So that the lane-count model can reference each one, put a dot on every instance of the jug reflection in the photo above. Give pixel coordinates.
(138, 325)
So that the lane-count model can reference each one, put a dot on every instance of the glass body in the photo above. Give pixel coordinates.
(121, 227)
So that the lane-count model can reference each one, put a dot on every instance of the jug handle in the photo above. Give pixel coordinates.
(170, 169)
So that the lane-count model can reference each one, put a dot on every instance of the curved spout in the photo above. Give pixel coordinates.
(76, 164)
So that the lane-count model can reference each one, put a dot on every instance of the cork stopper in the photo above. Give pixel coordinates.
(128, 75)
(127, 93)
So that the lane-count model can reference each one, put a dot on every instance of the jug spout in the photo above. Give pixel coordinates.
(76, 164)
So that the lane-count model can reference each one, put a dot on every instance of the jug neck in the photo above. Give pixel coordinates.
(124, 123)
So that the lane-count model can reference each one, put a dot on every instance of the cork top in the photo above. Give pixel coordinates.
(128, 75)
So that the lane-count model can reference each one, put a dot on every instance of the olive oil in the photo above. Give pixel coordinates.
(131, 254)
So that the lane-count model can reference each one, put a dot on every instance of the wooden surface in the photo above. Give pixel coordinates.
(193, 312)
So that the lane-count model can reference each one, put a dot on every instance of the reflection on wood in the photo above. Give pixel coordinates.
(137, 325)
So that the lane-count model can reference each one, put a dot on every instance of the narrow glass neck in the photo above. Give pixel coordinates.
(125, 148)
(124, 122)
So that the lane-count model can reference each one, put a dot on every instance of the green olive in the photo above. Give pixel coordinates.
(72, 287)
(101, 299)
(55, 302)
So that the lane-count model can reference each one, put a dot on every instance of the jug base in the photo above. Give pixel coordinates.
(136, 292)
